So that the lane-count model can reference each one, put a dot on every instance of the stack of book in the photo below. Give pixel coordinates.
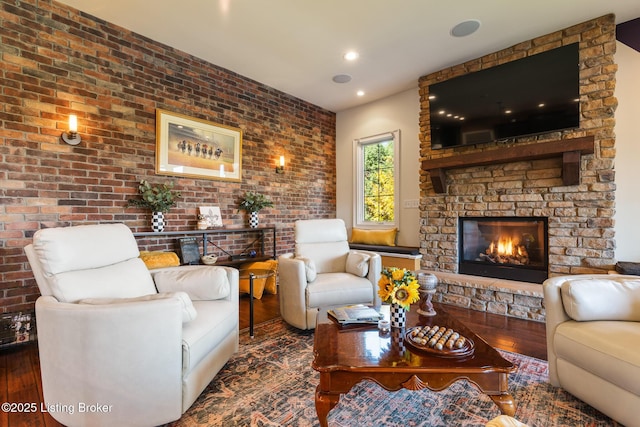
(358, 313)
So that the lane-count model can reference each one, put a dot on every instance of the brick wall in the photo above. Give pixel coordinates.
(581, 236)
(56, 61)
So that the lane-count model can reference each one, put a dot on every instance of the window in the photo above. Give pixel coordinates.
(377, 180)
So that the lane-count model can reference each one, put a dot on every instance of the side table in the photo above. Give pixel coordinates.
(252, 274)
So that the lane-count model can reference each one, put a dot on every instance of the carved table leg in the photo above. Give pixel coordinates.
(325, 403)
(505, 402)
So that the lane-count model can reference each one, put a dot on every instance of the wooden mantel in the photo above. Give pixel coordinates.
(569, 149)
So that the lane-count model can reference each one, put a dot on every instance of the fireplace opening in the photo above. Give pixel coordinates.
(513, 248)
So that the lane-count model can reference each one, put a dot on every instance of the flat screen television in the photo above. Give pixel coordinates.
(533, 95)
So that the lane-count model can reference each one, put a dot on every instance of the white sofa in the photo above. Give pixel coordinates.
(593, 341)
(323, 272)
(107, 337)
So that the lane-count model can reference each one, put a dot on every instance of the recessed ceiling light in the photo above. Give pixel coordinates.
(432, 97)
(360, 93)
(342, 78)
(465, 28)
(351, 55)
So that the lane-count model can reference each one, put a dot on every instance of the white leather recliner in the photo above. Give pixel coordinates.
(324, 272)
(593, 341)
(114, 351)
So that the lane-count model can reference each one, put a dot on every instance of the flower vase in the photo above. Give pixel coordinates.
(157, 222)
(398, 316)
(253, 219)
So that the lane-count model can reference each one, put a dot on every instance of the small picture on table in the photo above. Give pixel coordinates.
(212, 215)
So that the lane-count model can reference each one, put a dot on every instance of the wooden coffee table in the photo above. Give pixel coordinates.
(346, 355)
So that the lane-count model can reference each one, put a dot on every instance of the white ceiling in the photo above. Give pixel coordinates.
(296, 46)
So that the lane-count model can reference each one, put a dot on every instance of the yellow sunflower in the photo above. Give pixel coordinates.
(384, 289)
(405, 295)
(398, 274)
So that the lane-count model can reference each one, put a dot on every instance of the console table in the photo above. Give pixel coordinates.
(208, 236)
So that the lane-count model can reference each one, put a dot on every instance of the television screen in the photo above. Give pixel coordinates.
(528, 96)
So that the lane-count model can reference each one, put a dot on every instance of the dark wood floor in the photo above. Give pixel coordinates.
(20, 367)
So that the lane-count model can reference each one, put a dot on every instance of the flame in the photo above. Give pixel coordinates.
(505, 246)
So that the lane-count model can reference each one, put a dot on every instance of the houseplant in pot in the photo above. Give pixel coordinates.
(158, 199)
(253, 203)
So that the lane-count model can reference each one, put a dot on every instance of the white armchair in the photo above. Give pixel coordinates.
(324, 272)
(593, 341)
(107, 337)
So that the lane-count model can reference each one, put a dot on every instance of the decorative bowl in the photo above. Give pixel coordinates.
(209, 259)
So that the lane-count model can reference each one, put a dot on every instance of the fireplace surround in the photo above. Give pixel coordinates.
(503, 179)
(513, 248)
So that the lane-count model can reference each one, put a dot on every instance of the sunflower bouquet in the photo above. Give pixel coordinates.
(398, 286)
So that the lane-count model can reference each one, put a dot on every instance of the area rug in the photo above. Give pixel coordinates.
(270, 382)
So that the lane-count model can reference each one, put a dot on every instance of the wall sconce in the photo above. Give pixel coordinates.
(280, 169)
(71, 137)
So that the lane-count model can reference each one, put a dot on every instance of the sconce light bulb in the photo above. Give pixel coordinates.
(73, 123)
(280, 167)
(71, 137)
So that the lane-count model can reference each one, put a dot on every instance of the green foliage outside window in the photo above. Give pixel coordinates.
(379, 184)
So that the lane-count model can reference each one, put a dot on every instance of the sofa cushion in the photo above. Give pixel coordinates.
(336, 288)
(607, 349)
(374, 237)
(329, 257)
(201, 283)
(188, 311)
(216, 319)
(358, 263)
(128, 279)
(602, 299)
(91, 261)
(159, 259)
(83, 247)
(324, 241)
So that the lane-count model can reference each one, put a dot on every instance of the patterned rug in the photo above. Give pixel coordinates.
(270, 382)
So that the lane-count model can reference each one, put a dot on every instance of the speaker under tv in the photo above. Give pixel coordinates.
(533, 95)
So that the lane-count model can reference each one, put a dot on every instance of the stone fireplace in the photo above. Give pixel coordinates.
(571, 187)
(513, 248)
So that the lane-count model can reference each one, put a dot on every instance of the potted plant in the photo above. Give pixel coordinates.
(158, 199)
(253, 203)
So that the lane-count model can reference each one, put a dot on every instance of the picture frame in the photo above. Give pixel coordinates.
(212, 215)
(189, 251)
(191, 147)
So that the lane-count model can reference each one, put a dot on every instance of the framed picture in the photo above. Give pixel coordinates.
(212, 215)
(197, 148)
(189, 250)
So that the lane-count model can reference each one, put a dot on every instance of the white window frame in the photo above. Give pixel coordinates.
(358, 170)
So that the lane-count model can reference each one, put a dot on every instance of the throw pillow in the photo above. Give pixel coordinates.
(374, 237)
(188, 310)
(158, 259)
(268, 284)
(309, 268)
(358, 263)
(602, 299)
(201, 283)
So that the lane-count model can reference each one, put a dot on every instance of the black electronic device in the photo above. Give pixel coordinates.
(532, 95)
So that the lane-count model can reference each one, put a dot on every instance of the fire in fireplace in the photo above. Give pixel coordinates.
(512, 248)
